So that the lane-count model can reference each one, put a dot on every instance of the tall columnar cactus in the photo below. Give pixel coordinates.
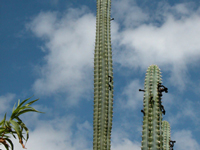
(152, 134)
(166, 135)
(103, 79)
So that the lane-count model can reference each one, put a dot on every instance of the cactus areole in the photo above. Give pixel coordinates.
(103, 79)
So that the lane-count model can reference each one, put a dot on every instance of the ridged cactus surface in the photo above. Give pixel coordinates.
(103, 79)
(151, 134)
(166, 135)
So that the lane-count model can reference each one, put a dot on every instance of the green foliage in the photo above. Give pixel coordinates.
(103, 79)
(14, 125)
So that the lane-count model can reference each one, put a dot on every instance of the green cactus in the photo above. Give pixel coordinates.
(151, 134)
(103, 79)
(166, 135)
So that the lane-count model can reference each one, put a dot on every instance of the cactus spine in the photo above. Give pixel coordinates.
(151, 134)
(103, 79)
(166, 135)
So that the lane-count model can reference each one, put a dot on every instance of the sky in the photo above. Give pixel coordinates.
(47, 50)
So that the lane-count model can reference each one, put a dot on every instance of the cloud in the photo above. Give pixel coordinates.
(185, 141)
(68, 133)
(187, 110)
(126, 144)
(5, 102)
(120, 140)
(129, 14)
(69, 42)
(58, 133)
(130, 96)
(182, 8)
(173, 45)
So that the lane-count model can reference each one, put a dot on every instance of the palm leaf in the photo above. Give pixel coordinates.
(3, 121)
(28, 110)
(3, 141)
(24, 101)
(13, 134)
(31, 102)
(20, 110)
(16, 111)
(7, 124)
(6, 136)
(25, 128)
(13, 107)
(10, 142)
(2, 129)
(20, 104)
(16, 127)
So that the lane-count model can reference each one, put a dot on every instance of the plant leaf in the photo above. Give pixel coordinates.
(14, 107)
(10, 142)
(3, 121)
(21, 109)
(2, 129)
(18, 102)
(32, 102)
(19, 105)
(3, 141)
(16, 127)
(25, 128)
(28, 110)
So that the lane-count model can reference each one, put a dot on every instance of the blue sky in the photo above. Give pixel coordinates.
(47, 51)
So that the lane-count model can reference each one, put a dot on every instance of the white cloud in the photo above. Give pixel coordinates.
(66, 133)
(129, 14)
(5, 102)
(173, 46)
(69, 44)
(185, 141)
(130, 96)
(182, 8)
(186, 110)
(69, 41)
(126, 144)
(120, 140)
(57, 134)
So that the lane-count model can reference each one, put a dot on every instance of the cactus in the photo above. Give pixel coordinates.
(166, 135)
(155, 133)
(152, 119)
(103, 79)
(152, 134)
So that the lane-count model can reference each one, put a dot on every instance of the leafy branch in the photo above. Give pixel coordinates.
(15, 126)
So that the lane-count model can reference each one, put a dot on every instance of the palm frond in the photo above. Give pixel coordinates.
(3, 141)
(3, 121)
(15, 125)
(24, 127)
(23, 109)
(10, 142)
